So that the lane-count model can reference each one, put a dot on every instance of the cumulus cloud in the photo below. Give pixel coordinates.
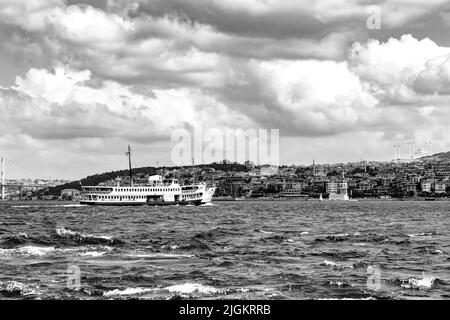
(435, 77)
(63, 104)
(97, 74)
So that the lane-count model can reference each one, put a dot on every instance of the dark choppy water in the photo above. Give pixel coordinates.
(228, 250)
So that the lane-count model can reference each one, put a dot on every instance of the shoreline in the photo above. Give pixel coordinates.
(327, 200)
(262, 199)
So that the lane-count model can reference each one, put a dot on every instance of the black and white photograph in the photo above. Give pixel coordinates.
(232, 150)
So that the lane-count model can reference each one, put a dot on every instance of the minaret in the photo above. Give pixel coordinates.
(314, 166)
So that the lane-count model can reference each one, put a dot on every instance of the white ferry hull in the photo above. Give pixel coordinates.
(136, 203)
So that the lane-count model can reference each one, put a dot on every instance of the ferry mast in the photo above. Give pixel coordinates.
(128, 153)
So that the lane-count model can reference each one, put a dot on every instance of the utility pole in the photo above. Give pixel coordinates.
(129, 164)
(3, 178)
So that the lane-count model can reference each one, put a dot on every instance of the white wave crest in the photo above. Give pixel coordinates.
(192, 288)
(28, 251)
(127, 292)
(93, 254)
(335, 265)
(423, 234)
(160, 255)
(17, 287)
(426, 282)
(67, 232)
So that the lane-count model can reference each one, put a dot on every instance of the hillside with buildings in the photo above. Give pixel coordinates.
(427, 177)
(140, 176)
(443, 156)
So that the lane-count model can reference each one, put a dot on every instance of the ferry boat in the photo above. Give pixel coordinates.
(156, 191)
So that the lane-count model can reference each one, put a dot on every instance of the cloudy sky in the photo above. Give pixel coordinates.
(80, 80)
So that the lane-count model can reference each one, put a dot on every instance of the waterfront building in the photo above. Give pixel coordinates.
(427, 185)
(72, 193)
(440, 187)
